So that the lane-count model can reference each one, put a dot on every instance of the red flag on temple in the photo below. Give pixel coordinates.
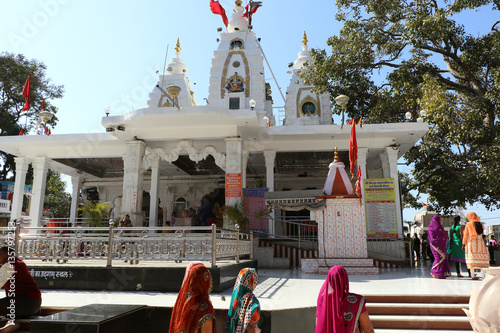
(21, 132)
(47, 209)
(357, 186)
(216, 8)
(250, 9)
(26, 93)
(353, 148)
(43, 105)
(360, 122)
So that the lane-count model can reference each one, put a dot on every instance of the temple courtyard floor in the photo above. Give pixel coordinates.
(278, 289)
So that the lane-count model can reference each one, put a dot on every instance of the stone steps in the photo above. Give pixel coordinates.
(401, 313)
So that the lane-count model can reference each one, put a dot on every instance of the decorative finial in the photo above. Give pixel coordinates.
(178, 46)
(238, 2)
(304, 39)
(336, 156)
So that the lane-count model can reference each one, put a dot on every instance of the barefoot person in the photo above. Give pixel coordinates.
(23, 296)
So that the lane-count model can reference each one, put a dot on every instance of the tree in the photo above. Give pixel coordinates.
(431, 63)
(95, 212)
(56, 198)
(14, 71)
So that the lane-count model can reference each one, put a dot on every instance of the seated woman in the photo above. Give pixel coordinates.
(244, 311)
(338, 310)
(193, 312)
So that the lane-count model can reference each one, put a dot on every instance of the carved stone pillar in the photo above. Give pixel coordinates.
(75, 193)
(133, 179)
(153, 193)
(244, 164)
(38, 194)
(233, 171)
(392, 159)
(270, 157)
(17, 200)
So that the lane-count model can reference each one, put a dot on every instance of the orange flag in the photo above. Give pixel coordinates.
(26, 93)
(357, 187)
(353, 149)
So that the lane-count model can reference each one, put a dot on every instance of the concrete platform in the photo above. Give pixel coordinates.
(285, 294)
(148, 276)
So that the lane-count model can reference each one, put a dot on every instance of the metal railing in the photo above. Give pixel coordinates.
(391, 249)
(129, 243)
(4, 206)
(296, 229)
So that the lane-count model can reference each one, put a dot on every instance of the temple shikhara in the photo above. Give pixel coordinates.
(244, 141)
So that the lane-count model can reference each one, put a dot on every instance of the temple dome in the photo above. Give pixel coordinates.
(177, 66)
(303, 55)
(238, 22)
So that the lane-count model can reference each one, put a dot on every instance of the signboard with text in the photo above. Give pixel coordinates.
(233, 185)
(380, 207)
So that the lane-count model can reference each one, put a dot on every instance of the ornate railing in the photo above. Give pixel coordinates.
(129, 244)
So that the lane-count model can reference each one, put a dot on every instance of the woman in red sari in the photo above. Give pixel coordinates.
(193, 312)
(338, 310)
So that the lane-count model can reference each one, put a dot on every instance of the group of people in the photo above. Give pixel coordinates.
(338, 310)
(193, 311)
(459, 244)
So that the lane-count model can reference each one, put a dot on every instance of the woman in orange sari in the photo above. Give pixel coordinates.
(193, 312)
(476, 254)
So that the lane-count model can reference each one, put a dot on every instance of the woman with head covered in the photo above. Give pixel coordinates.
(193, 312)
(244, 311)
(338, 310)
(438, 240)
(476, 254)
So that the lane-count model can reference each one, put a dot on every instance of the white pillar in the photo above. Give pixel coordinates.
(392, 158)
(17, 200)
(270, 157)
(244, 163)
(362, 155)
(75, 194)
(133, 179)
(166, 202)
(233, 171)
(153, 193)
(40, 167)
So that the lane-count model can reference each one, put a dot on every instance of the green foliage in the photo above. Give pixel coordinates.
(14, 71)
(95, 212)
(56, 197)
(430, 63)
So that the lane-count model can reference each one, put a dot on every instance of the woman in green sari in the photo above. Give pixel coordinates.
(455, 251)
(244, 310)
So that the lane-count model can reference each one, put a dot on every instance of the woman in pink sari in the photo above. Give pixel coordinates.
(338, 310)
(438, 239)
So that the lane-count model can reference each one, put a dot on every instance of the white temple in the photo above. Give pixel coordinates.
(169, 154)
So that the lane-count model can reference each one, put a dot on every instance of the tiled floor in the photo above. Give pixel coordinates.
(284, 289)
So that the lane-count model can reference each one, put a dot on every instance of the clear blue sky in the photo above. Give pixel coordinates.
(107, 52)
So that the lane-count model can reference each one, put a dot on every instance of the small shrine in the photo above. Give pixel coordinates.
(341, 227)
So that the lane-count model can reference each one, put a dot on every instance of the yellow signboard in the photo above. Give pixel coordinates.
(380, 207)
